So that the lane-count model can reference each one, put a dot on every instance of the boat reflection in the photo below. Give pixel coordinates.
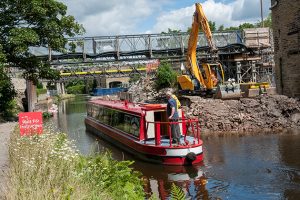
(158, 180)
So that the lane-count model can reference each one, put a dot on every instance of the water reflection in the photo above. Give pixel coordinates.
(159, 180)
(248, 167)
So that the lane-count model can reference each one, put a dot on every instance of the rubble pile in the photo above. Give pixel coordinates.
(263, 113)
(144, 91)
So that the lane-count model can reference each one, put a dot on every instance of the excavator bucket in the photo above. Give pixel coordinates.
(228, 91)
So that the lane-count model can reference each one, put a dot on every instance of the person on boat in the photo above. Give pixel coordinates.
(173, 116)
(177, 101)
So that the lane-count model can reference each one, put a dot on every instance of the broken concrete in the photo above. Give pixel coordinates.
(259, 114)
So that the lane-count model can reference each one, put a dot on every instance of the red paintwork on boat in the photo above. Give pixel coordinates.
(134, 108)
(170, 155)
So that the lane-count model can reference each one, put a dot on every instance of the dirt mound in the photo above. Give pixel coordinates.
(266, 113)
(263, 113)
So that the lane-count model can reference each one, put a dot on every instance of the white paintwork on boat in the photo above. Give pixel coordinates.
(183, 152)
(150, 118)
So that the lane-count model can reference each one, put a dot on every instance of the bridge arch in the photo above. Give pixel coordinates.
(115, 84)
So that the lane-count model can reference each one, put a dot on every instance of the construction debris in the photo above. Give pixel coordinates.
(260, 114)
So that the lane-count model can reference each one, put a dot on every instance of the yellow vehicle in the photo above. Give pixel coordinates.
(208, 77)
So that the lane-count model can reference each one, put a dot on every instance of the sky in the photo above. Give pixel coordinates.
(119, 17)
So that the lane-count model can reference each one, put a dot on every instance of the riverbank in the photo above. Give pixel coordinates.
(48, 166)
(5, 131)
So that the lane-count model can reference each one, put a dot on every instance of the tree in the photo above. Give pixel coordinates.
(232, 28)
(221, 28)
(166, 76)
(246, 25)
(267, 22)
(171, 31)
(212, 26)
(7, 91)
(34, 23)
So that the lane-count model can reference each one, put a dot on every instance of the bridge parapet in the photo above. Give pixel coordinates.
(132, 47)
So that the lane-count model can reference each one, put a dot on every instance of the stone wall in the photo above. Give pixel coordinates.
(286, 27)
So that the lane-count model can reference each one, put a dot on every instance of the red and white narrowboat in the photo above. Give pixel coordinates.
(144, 131)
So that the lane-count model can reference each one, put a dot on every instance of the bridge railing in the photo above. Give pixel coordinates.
(141, 42)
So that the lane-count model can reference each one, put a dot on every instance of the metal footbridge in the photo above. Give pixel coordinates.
(126, 54)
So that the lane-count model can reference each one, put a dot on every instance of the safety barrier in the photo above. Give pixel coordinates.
(189, 126)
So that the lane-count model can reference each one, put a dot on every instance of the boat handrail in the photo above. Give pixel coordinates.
(186, 124)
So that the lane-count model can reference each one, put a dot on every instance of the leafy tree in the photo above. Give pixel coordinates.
(171, 31)
(267, 22)
(232, 28)
(246, 25)
(34, 23)
(95, 84)
(134, 78)
(212, 26)
(7, 91)
(221, 28)
(166, 76)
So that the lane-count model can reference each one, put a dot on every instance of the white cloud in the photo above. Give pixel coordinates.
(230, 14)
(114, 17)
(111, 17)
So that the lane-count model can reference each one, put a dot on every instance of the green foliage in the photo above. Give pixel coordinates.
(77, 89)
(47, 115)
(94, 84)
(171, 31)
(48, 166)
(166, 76)
(31, 23)
(51, 86)
(267, 22)
(245, 26)
(212, 26)
(39, 85)
(134, 78)
(221, 28)
(7, 94)
(41, 91)
(177, 193)
(115, 177)
(74, 83)
(232, 28)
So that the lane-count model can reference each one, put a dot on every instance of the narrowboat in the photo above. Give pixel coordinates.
(144, 131)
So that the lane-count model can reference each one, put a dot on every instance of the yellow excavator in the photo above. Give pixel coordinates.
(207, 78)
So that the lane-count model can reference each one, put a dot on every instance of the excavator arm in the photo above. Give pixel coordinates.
(199, 19)
(207, 79)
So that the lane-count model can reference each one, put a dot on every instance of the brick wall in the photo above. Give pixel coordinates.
(286, 31)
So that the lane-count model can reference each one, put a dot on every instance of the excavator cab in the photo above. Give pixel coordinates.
(208, 77)
(213, 75)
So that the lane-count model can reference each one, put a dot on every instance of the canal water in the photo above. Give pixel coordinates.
(265, 166)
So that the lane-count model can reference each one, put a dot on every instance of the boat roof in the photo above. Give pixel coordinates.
(136, 108)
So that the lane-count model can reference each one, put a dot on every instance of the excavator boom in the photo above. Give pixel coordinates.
(198, 19)
(195, 80)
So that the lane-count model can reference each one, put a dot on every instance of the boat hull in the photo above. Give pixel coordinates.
(149, 153)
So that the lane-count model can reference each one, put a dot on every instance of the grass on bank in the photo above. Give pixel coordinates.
(49, 167)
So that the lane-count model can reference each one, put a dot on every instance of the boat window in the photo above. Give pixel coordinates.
(89, 110)
(117, 119)
(95, 111)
